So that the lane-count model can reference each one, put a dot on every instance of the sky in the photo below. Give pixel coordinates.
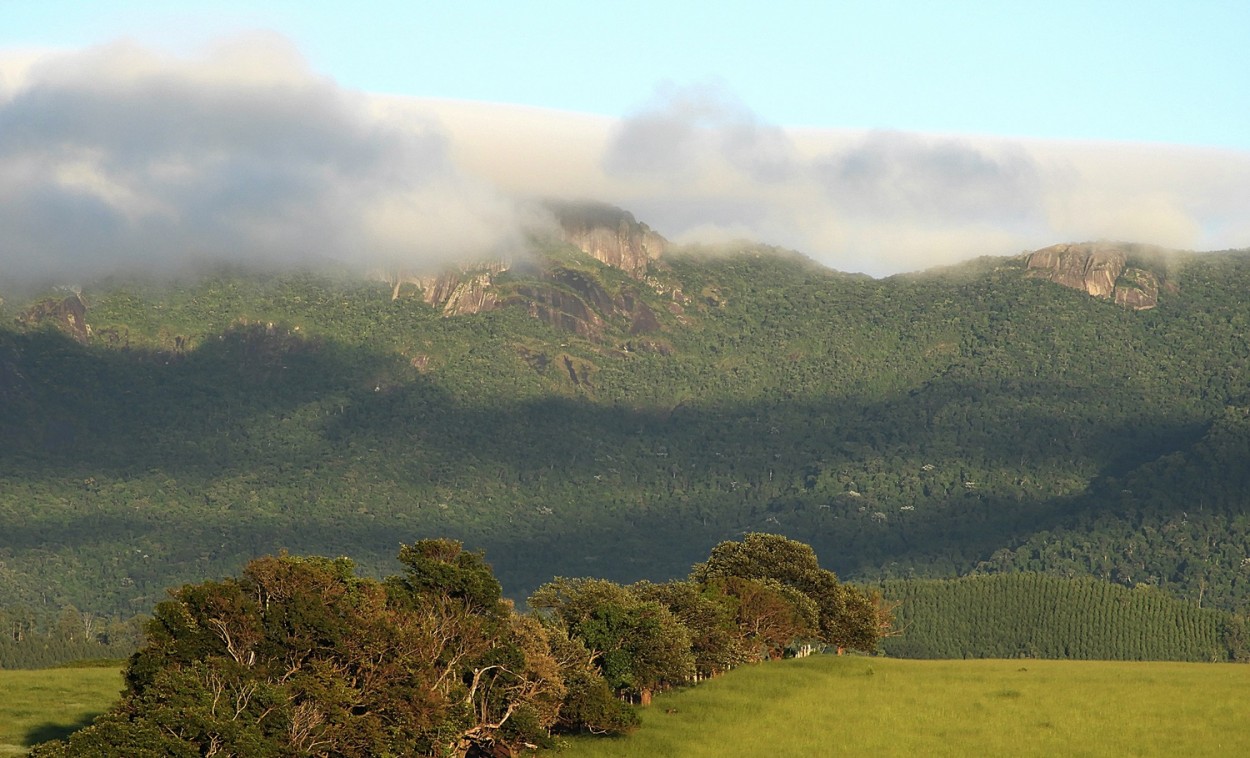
(877, 137)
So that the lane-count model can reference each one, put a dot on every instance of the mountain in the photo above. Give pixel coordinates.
(609, 404)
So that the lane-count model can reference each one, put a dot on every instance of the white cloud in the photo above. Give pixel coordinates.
(117, 156)
(686, 133)
(120, 156)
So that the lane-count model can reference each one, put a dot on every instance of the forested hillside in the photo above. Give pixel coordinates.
(594, 423)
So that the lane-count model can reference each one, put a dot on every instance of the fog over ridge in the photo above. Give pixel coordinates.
(118, 156)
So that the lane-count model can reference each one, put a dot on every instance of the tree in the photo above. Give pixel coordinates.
(589, 704)
(708, 613)
(638, 645)
(769, 615)
(299, 656)
(847, 617)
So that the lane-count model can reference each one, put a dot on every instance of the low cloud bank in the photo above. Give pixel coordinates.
(702, 164)
(118, 157)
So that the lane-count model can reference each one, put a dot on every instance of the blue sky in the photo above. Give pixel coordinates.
(1171, 72)
(879, 137)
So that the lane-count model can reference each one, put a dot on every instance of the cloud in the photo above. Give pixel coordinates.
(1168, 195)
(685, 132)
(121, 157)
(894, 175)
(117, 156)
(697, 163)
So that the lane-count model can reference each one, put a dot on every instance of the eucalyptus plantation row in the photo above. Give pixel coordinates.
(1032, 615)
(72, 636)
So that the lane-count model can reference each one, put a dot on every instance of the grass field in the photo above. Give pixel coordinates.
(884, 707)
(41, 705)
(833, 706)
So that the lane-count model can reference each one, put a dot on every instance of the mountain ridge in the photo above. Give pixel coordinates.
(975, 418)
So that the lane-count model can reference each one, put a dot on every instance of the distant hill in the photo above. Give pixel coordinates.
(583, 417)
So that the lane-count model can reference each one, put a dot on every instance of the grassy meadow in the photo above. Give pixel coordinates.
(44, 704)
(887, 707)
(826, 705)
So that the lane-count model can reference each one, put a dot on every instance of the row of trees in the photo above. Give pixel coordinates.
(300, 656)
(1038, 616)
(29, 640)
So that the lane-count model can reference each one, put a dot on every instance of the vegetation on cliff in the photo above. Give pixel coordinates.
(974, 418)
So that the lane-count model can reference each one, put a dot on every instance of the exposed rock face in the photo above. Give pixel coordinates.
(1101, 269)
(609, 235)
(606, 233)
(69, 315)
(471, 294)
(467, 289)
(566, 298)
(1138, 289)
(562, 309)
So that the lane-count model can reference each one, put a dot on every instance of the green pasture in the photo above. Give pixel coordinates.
(44, 704)
(887, 707)
(832, 706)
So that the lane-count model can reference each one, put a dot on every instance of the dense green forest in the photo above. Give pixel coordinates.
(927, 425)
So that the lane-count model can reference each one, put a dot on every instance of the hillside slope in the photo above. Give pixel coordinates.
(596, 421)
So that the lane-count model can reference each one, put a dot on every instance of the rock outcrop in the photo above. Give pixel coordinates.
(68, 315)
(462, 292)
(567, 298)
(610, 235)
(457, 291)
(1102, 269)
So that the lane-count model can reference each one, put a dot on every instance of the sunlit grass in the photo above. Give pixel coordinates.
(40, 705)
(833, 706)
(885, 707)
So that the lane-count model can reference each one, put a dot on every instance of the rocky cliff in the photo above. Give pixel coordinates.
(69, 315)
(468, 289)
(609, 235)
(1108, 270)
(568, 299)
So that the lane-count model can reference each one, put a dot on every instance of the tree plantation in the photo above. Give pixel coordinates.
(1037, 616)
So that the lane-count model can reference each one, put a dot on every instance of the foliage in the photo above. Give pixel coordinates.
(299, 656)
(1038, 616)
(638, 645)
(923, 425)
(845, 616)
(708, 613)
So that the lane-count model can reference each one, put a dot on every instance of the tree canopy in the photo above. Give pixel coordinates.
(929, 425)
(846, 616)
(301, 656)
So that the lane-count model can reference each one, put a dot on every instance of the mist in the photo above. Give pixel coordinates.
(120, 158)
